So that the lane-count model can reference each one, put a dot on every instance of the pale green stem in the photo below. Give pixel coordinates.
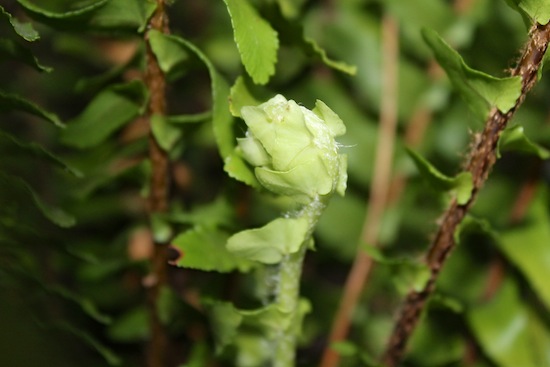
(288, 292)
(288, 300)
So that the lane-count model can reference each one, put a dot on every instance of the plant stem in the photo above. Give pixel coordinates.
(497, 269)
(288, 294)
(416, 127)
(288, 291)
(480, 162)
(158, 196)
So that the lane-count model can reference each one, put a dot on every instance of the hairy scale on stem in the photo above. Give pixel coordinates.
(158, 196)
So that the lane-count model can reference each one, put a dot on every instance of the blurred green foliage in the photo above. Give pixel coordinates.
(74, 234)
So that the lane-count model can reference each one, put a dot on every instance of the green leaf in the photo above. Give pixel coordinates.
(199, 355)
(471, 224)
(514, 139)
(132, 326)
(407, 273)
(12, 49)
(8, 143)
(340, 226)
(480, 90)
(122, 15)
(225, 320)
(69, 14)
(204, 248)
(333, 121)
(465, 269)
(272, 319)
(228, 320)
(540, 340)
(12, 102)
(501, 328)
(256, 40)
(110, 171)
(312, 47)
(110, 357)
(166, 134)
(97, 82)
(221, 118)
(54, 215)
(84, 303)
(168, 305)
(461, 184)
(252, 350)
(162, 230)
(536, 10)
(236, 167)
(99, 15)
(527, 246)
(22, 29)
(271, 242)
(448, 303)
(292, 33)
(426, 348)
(107, 112)
(253, 331)
(189, 119)
(171, 57)
(290, 8)
(214, 214)
(345, 348)
(243, 93)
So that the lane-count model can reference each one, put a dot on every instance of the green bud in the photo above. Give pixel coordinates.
(292, 149)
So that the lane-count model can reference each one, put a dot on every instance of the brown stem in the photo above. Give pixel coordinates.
(481, 160)
(378, 193)
(361, 268)
(158, 195)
